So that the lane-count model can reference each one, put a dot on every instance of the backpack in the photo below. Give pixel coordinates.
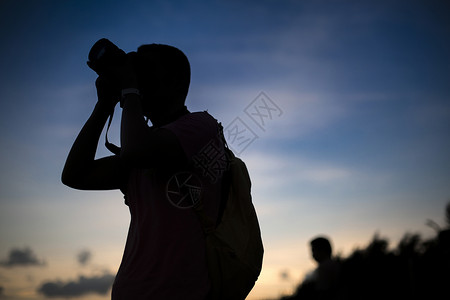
(234, 247)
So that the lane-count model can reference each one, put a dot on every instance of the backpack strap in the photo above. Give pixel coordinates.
(208, 224)
(226, 176)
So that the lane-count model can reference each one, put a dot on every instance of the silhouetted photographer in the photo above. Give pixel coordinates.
(164, 256)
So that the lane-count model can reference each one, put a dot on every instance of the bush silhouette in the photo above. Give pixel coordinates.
(414, 269)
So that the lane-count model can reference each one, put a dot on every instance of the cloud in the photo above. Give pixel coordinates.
(84, 257)
(22, 257)
(79, 287)
(285, 275)
(294, 169)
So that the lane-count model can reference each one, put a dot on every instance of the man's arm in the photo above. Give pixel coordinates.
(82, 170)
(145, 147)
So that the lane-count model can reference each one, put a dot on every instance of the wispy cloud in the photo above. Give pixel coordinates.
(271, 170)
(84, 257)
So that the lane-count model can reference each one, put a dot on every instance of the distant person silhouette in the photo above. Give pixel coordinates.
(160, 169)
(325, 276)
(322, 283)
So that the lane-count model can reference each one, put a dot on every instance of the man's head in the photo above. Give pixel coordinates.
(164, 76)
(321, 249)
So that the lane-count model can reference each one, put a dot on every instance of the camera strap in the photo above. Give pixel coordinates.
(110, 146)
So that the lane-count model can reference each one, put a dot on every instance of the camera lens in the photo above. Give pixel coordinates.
(104, 53)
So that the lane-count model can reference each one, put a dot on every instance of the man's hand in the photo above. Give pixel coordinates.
(123, 72)
(120, 75)
(108, 93)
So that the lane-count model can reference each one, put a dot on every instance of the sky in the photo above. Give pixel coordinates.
(343, 110)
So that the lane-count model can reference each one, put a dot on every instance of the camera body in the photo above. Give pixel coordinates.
(104, 54)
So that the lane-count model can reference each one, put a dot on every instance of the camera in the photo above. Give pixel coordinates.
(103, 54)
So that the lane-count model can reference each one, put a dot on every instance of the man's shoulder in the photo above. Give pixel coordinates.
(194, 131)
(199, 122)
(200, 115)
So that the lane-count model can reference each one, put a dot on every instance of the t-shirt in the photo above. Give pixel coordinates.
(164, 256)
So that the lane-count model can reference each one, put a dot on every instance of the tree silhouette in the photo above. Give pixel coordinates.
(414, 269)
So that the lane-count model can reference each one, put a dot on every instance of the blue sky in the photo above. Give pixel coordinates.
(360, 144)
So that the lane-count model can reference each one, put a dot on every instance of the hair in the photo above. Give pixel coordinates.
(322, 244)
(163, 70)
